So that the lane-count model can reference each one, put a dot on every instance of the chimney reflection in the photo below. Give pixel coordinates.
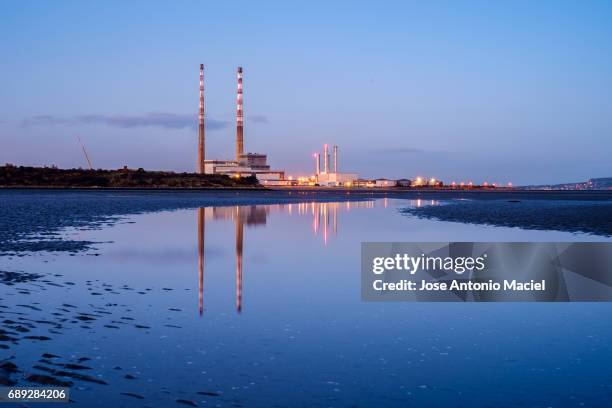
(335, 219)
(251, 216)
(201, 260)
(325, 215)
(324, 220)
(239, 230)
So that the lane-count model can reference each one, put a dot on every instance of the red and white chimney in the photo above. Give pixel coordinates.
(201, 137)
(239, 117)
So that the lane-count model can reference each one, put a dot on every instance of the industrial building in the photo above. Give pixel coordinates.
(383, 182)
(330, 176)
(243, 164)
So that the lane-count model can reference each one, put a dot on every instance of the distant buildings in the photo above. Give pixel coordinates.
(599, 184)
(404, 182)
(383, 182)
(591, 184)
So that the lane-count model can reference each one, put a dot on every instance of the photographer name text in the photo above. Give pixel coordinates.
(459, 285)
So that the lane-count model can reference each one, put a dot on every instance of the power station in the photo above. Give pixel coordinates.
(330, 175)
(244, 164)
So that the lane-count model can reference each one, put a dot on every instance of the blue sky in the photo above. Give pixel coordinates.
(459, 90)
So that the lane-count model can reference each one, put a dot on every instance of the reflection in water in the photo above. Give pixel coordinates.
(201, 259)
(239, 230)
(323, 214)
(251, 216)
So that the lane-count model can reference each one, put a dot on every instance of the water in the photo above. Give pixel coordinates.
(259, 305)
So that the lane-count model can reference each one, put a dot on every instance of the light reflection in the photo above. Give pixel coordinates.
(325, 216)
(335, 219)
(325, 221)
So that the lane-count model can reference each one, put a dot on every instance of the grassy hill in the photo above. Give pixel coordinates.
(19, 176)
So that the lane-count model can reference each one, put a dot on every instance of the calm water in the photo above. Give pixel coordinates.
(260, 306)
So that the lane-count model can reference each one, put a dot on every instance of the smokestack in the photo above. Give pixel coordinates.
(239, 118)
(317, 157)
(335, 159)
(325, 159)
(201, 138)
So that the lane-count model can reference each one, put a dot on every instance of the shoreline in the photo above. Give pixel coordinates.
(569, 211)
(390, 192)
(85, 188)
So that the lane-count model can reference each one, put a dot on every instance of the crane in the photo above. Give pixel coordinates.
(85, 151)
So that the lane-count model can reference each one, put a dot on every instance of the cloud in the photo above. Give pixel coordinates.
(163, 120)
(258, 119)
(45, 120)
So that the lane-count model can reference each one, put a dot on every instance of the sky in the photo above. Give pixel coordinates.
(458, 90)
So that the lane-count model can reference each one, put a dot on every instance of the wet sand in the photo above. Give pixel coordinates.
(41, 309)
